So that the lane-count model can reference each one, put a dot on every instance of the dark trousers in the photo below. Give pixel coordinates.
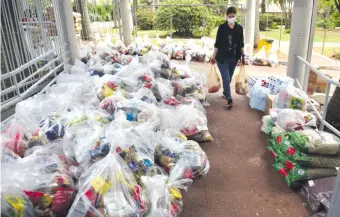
(227, 69)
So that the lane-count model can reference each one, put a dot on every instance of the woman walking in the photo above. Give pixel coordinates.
(229, 48)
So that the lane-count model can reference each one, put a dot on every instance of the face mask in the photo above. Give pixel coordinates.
(231, 20)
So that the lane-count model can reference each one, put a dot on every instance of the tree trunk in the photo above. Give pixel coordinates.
(263, 6)
(257, 23)
(333, 114)
(337, 5)
(85, 20)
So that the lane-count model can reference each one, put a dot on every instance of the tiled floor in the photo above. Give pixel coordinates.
(241, 181)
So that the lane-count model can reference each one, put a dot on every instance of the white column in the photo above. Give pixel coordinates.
(71, 31)
(250, 26)
(125, 11)
(300, 36)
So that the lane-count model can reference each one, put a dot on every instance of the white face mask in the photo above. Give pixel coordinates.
(231, 20)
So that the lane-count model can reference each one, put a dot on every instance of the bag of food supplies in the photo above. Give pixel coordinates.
(137, 148)
(214, 82)
(181, 159)
(292, 97)
(189, 87)
(108, 188)
(295, 156)
(53, 192)
(137, 114)
(241, 86)
(258, 97)
(190, 121)
(14, 202)
(311, 141)
(164, 195)
(298, 173)
(292, 119)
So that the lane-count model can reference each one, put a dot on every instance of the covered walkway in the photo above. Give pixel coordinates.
(241, 181)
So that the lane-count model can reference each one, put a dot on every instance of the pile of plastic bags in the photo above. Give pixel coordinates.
(306, 158)
(116, 136)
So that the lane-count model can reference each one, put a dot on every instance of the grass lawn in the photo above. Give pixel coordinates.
(331, 36)
(329, 51)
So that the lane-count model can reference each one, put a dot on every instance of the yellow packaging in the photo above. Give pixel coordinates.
(100, 185)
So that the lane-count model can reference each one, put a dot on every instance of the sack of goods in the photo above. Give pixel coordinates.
(305, 155)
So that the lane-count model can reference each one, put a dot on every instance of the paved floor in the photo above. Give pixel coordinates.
(241, 181)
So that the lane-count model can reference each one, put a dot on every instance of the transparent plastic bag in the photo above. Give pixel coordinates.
(293, 120)
(162, 89)
(136, 113)
(241, 85)
(214, 83)
(164, 195)
(108, 188)
(172, 102)
(137, 149)
(291, 97)
(258, 97)
(182, 160)
(145, 95)
(189, 87)
(45, 179)
(85, 143)
(190, 121)
(15, 203)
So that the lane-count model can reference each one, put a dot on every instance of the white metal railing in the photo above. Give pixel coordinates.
(334, 210)
(34, 47)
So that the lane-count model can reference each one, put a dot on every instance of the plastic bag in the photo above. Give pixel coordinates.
(162, 89)
(318, 193)
(311, 141)
(214, 82)
(292, 119)
(182, 160)
(190, 121)
(241, 86)
(298, 173)
(189, 87)
(15, 203)
(258, 97)
(267, 124)
(136, 113)
(292, 97)
(164, 195)
(108, 188)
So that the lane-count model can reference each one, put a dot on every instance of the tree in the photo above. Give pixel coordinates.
(185, 20)
(337, 5)
(263, 6)
(286, 7)
(85, 20)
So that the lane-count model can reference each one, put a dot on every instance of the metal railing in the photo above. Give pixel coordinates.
(334, 209)
(34, 47)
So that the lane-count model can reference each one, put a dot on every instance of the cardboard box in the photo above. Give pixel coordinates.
(311, 82)
(269, 103)
(321, 85)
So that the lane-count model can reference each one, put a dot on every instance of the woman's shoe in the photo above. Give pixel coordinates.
(230, 104)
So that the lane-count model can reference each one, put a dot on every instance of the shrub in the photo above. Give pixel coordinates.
(186, 21)
(335, 18)
(325, 24)
(274, 26)
(287, 31)
(263, 22)
(146, 18)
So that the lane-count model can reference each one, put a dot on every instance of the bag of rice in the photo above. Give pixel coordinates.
(298, 173)
(311, 141)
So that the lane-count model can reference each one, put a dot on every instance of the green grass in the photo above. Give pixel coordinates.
(331, 36)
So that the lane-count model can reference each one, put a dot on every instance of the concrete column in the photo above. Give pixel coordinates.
(125, 11)
(300, 36)
(71, 31)
(250, 25)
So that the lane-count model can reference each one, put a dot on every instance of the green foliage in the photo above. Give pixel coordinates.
(186, 21)
(146, 18)
(275, 26)
(325, 24)
(335, 18)
(287, 31)
(100, 12)
(266, 22)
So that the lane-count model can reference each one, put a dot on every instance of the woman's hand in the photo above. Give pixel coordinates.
(243, 61)
(213, 60)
